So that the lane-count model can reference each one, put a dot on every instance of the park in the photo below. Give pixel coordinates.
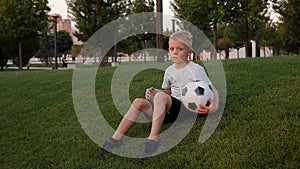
(259, 126)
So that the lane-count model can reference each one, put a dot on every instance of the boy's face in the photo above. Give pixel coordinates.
(178, 51)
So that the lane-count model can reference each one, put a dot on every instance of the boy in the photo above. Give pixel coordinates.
(166, 103)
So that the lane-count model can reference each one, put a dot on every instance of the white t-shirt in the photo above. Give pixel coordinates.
(175, 79)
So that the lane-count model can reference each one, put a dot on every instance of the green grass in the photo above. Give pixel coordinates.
(260, 127)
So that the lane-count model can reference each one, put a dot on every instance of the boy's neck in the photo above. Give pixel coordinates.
(181, 64)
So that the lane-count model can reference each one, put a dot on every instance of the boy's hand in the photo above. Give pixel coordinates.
(202, 109)
(148, 93)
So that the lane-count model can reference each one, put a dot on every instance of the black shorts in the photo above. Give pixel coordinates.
(172, 115)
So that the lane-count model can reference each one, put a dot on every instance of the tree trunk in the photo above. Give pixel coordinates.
(159, 31)
(47, 61)
(20, 55)
(2, 61)
(247, 48)
(215, 32)
(247, 41)
(257, 46)
(227, 54)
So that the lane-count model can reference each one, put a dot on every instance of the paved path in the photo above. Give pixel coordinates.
(37, 68)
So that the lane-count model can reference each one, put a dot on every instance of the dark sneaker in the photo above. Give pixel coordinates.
(150, 147)
(108, 145)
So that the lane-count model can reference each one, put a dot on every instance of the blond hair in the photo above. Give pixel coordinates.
(183, 36)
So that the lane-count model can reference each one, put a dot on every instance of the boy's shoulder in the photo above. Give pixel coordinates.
(195, 64)
(196, 67)
(170, 67)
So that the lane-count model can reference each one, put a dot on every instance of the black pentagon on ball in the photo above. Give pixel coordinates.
(210, 87)
(207, 104)
(184, 91)
(199, 91)
(192, 106)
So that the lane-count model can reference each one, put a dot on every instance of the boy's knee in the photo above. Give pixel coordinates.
(160, 96)
(139, 103)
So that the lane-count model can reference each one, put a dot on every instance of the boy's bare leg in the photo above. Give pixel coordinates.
(162, 102)
(139, 105)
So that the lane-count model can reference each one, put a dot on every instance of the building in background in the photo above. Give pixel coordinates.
(65, 25)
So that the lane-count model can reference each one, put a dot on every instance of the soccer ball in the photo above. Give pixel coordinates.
(195, 93)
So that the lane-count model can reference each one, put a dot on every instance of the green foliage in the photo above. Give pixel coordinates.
(190, 10)
(91, 15)
(138, 42)
(251, 18)
(290, 16)
(45, 47)
(225, 39)
(21, 22)
(139, 6)
(29, 47)
(10, 49)
(274, 36)
(23, 19)
(259, 128)
(284, 34)
(76, 49)
(211, 12)
(244, 17)
(64, 42)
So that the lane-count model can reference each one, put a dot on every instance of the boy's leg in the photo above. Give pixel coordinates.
(107, 146)
(162, 102)
(138, 105)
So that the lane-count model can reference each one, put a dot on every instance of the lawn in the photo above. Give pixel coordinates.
(260, 126)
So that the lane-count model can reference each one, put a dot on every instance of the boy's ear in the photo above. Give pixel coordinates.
(191, 51)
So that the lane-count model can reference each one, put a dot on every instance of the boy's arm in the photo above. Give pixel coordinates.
(214, 105)
(167, 91)
(152, 91)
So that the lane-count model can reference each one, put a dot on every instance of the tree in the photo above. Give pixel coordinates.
(220, 11)
(290, 12)
(212, 12)
(224, 40)
(246, 16)
(236, 36)
(5, 48)
(21, 22)
(251, 19)
(159, 30)
(75, 51)
(91, 15)
(190, 10)
(64, 42)
(45, 47)
(271, 38)
(287, 43)
(138, 42)
(142, 6)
